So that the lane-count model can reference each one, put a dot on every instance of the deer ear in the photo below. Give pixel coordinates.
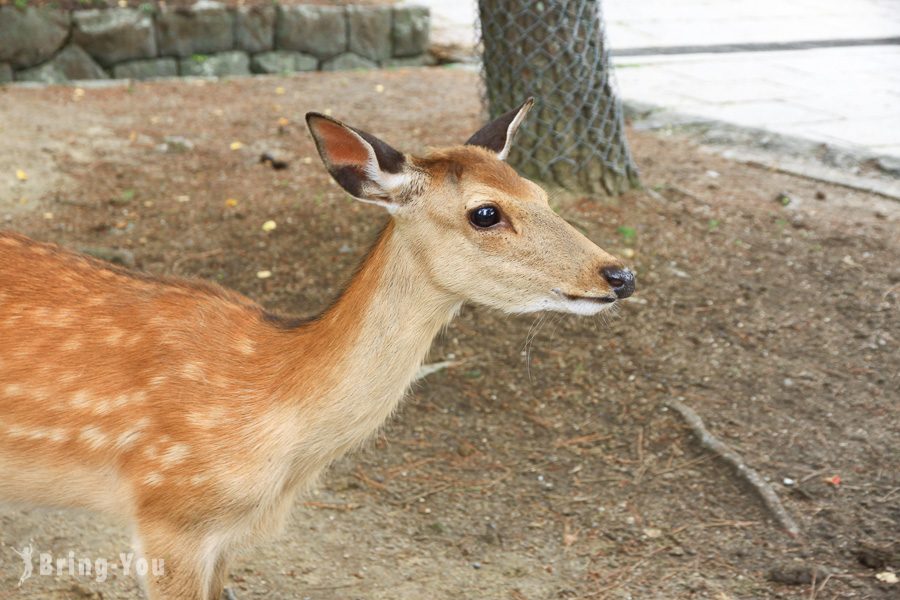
(497, 136)
(369, 169)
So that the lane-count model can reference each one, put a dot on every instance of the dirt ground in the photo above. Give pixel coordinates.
(544, 463)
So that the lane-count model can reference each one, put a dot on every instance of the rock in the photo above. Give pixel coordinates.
(70, 64)
(889, 165)
(424, 60)
(113, 35)
(794, 573)
(276, 158)
(118, 256)
(455, 53)
(175, 144)
(205, 28)
(6, 73)
(216, 65)
(254, 28)
(146, 69)
(76, 590)
(32, 35)
(887, 577)
(370, 31)
(785, 199)
(283, 61)
(410, 30)
(348, 62)
(878, 555)
(317, 30)
(840, 157)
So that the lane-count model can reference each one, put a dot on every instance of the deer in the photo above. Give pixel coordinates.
(197, 417)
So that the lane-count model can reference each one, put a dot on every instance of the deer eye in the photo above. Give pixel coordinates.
(484, 216)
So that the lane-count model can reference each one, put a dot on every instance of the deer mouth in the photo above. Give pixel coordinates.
(597, 299)
(607, 299)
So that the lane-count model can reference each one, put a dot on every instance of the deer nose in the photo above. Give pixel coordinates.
(621, 280)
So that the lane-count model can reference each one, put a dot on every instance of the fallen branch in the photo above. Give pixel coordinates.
(716, 446)
(332, 506)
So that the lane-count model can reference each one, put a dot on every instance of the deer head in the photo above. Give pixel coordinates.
(484, 233)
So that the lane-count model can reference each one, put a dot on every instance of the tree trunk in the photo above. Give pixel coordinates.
(555, 50)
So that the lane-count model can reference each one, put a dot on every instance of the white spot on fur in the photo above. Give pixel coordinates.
(194, 371)
(81, 399)
(58, 434)
(199, 479)
(67, 378)
(38, 433)
(154, 479)
(62, 318)
(93, 437)
(114, 336)
(208, 419)
(101, 407)
(175, 454)
(14, 389)
(15, 431)
(72, 344)
(245, 346)
(120, 400)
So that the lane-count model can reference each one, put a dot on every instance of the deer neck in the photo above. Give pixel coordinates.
(368, 347)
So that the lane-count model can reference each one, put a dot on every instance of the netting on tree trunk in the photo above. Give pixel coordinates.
(556, 51)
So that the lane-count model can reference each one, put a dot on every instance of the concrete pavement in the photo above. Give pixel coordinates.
(680, 56)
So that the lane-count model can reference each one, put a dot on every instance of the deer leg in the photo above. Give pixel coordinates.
(186, 573)
(219, 578)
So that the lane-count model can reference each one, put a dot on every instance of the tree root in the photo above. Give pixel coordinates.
(748, 475)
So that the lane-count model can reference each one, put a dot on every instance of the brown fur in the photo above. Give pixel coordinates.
(478, 165)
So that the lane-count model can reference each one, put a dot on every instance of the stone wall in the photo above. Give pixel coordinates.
(209, 38)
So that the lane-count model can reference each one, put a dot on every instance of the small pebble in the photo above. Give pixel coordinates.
(888, 577)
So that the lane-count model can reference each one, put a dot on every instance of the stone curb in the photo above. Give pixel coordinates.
(49, 46)
(818, 154)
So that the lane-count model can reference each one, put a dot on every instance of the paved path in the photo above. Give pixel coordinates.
(846, 96)
(644, 23)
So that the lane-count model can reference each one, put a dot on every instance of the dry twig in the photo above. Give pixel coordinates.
(332, 506)
(176, 266)
(750, 476)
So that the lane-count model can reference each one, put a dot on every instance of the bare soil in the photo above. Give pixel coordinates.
(544, 464)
